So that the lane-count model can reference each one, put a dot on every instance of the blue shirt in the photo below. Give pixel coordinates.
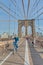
(16, 39)
(15, 42)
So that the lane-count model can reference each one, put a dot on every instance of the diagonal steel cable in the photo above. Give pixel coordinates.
(18, 9)
(37, 11)
(7, 12)
(8, 9)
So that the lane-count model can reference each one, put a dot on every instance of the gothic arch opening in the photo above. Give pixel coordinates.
(23, 31)
(29, 31)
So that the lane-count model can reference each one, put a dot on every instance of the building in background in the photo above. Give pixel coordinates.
(5, 35)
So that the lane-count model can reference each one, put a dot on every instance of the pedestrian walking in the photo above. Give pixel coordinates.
(15, 44)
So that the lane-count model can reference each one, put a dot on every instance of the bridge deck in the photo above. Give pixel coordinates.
(36, 54)
(20, 57)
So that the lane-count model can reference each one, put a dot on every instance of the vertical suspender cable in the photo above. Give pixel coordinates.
(14, 28)
(38, 17)
(9, 19)
(34, 8)
(28, 7)
(23, 8)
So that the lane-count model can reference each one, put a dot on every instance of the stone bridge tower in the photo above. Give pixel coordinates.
(26, 23)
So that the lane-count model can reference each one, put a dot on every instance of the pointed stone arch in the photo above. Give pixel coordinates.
(23, 31)
(29, 30)
(26, 23)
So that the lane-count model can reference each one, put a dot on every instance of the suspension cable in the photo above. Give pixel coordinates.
(10, 9)
(9, 18)
(14, 28)
(33, 6)
(7, 12)
(13, 3)
(23, 7)
(36, 5)
(28, 7)
(37, 11)
(17, 7)
(38, 19)
(39, 15)
(38, 25)
(40, 29)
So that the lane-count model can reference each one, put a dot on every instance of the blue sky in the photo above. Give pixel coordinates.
(4, 26)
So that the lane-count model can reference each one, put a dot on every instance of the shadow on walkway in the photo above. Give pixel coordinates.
(37, 60)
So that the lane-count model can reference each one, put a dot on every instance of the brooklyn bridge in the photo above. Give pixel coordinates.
(22, 19)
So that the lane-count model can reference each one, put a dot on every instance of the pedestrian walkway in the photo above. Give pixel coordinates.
(26, 55)
(19, 58)
(36, 58)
